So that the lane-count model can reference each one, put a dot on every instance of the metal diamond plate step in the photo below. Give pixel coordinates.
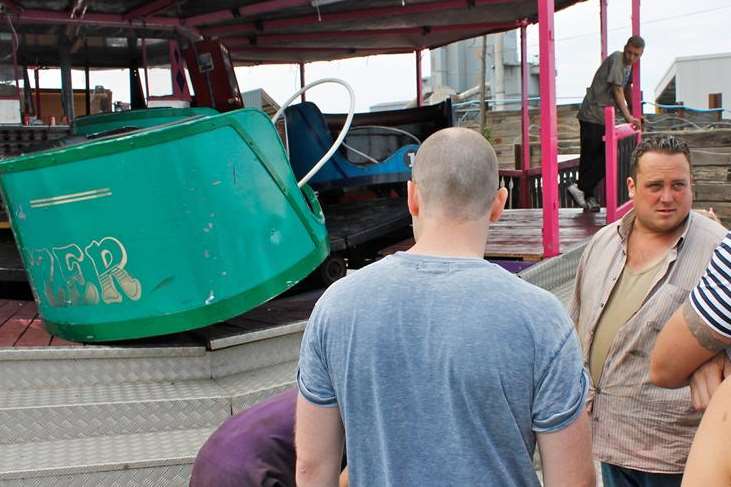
(66, 413)
(162, 476)
(556, 274)
(42, 463)
(254, 386)
(59, 367)
(112, 410)
(112, 416)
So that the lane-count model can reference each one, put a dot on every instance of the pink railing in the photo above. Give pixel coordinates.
(619, 142)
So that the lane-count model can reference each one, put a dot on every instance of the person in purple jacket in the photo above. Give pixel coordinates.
(253, 448)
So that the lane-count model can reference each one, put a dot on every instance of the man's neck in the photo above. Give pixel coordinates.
(647, 247)
(451, 240)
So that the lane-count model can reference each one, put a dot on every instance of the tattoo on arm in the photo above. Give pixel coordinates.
(700, 330)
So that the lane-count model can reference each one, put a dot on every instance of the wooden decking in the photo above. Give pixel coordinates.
(20, 325)
(518, 234)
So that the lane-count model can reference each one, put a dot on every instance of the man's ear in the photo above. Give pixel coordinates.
(631, 187)
(498, 204)
(413, 198)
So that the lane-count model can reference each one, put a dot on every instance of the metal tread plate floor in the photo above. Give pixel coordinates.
(104, 453)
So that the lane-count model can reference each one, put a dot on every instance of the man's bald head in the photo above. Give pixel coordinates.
(456, 171)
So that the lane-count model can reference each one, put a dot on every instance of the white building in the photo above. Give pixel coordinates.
(701, 82)
(457, 66)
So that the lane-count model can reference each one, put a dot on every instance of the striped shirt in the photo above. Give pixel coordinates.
(711, 298)
(636, 424)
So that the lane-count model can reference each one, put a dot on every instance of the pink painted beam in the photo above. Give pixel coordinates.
(251, 29)
(371, 13)
(251, 10)
(525, 201)
(549, 128)
(603, 26)
(96, 19)
(636, 86)
(147, 9)
(610, 153)
(262, 39)
(228, 30)
(270, 6)
(274, 49)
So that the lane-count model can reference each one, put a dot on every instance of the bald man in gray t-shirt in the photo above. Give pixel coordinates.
(439, 367)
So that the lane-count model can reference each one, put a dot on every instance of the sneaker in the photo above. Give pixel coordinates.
(577, 195)
(592, 204)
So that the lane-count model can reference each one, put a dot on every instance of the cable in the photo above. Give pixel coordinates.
(651, 21)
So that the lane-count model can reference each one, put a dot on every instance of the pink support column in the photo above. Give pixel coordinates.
(177, 72)
(549, 128)
(610, 152)
(525, 200)
(302, 81)
(636, 87)
(603, 26)
(419, 94)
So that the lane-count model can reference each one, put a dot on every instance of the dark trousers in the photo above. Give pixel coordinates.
(614, 476)
(591, 163)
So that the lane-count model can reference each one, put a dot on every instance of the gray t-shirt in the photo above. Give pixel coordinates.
(612, 72)
(443, 369)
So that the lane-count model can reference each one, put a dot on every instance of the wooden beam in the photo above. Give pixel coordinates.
(303, 37)
(147, 9)
(350, 15)
(95, 19)
(250, 10)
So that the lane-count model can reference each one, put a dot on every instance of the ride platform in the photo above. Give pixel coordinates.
(518, 235)
(136, 412)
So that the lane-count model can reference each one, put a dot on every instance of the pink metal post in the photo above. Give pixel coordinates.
(612, 135)
(549, 128)
(419, 100)
(610, 151)
(302, 81)
(525, 201)
(603, 26)
(636, 88)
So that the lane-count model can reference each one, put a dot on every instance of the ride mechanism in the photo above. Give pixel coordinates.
(158, 221)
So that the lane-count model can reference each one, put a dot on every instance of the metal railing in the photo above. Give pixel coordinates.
(568, 171)
(619, 142)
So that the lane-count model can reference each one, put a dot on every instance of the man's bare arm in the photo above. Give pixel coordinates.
(566, 455)
(708, 463)
(618, 93)
(684, 344)
(319, 438)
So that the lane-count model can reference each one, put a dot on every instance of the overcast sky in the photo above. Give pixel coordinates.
(672, 28)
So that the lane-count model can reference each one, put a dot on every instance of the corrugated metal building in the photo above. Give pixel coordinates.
(702, 82)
